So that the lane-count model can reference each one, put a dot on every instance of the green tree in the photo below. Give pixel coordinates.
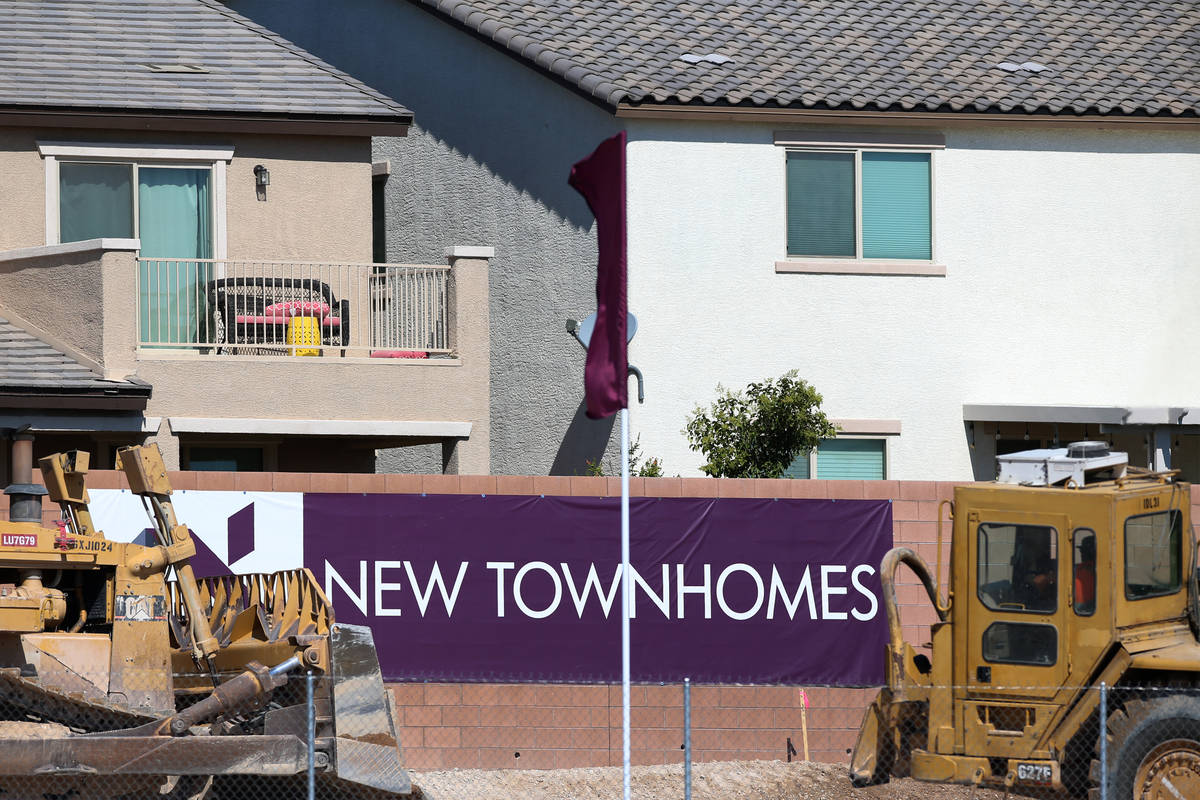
(758, 432)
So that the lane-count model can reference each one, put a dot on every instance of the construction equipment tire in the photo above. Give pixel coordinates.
(1153, 750)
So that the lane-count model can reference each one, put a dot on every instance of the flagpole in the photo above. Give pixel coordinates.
(626, 591)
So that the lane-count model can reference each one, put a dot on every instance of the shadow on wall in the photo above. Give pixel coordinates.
(468, 95)
(585, 440)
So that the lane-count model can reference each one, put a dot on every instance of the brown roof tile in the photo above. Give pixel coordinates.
(1106, 56)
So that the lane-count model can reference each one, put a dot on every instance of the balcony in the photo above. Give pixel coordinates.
(346, 357)
(264, 308)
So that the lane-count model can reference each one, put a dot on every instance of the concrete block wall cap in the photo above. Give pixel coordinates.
(469, 251)
(71, 247)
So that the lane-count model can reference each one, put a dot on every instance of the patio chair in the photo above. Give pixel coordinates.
(246, 315)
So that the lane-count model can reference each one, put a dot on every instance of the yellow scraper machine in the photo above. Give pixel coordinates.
(117, 681)
(1072, 572)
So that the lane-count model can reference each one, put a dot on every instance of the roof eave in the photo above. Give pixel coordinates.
(745, 113)
(207, 121)
(55, 398)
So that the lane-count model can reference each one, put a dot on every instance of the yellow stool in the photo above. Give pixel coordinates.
(304, 330)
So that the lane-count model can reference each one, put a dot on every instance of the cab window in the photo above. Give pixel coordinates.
(1018, 567)
(1153, 554)
(1083, 571)
(1021, 643)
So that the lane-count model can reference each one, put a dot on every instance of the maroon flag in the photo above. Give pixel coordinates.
(600, 178)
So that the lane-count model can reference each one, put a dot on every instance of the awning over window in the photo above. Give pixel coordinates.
(1103, 415)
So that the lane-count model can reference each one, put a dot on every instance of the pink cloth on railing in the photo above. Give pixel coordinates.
(399, 354)
(298, 308)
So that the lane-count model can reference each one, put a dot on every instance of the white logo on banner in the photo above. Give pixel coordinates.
(246, 531)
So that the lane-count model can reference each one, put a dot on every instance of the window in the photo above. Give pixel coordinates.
(859, 204)
(1018, 567)
(1084, 571)
(859, 197)
(225, 459)
(170, 211)
(1021, 643)
(1153, 549)
(843, 459)
(170, 197)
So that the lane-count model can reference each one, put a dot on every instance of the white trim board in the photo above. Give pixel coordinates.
(70, 247)
(873, 427)
(157, 152)
(321, 427)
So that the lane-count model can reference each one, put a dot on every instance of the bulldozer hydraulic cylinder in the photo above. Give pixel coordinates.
(234, 694)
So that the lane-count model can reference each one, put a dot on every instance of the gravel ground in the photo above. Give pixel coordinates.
(729, 780)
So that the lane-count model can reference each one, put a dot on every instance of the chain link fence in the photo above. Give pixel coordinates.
(315, 737)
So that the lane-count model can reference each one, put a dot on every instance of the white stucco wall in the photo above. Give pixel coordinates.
(1073, 277)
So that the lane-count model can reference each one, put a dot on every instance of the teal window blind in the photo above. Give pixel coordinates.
(95, 201)
(895, 205)
(820, 204)
(851, 459)
(844, 459)
(798, 468)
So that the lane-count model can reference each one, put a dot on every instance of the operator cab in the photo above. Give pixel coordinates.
(1070, 550)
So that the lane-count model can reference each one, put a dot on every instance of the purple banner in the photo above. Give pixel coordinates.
(504, 588)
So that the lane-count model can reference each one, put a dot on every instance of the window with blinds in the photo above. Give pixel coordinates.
(859, 204)
(843, 460)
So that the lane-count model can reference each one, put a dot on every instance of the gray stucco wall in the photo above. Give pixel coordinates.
(485, 164)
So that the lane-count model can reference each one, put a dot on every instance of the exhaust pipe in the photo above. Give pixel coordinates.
(24, 496)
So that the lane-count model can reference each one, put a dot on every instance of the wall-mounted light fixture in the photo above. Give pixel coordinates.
(262, 179)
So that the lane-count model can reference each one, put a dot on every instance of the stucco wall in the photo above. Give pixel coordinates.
(23, 192)
(486, 164)
(318, 206)
(79, 299)
(1071, 262)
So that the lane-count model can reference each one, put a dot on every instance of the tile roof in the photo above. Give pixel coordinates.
(1020, 56)
(95, 54)
(30, 366)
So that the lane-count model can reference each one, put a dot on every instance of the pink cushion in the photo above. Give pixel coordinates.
(332, 322)
(298, 308)
(274, 319)
(399, 354)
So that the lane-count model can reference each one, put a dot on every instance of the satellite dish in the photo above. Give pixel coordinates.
(584, 331)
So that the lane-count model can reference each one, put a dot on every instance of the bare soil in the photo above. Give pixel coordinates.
(727, 780)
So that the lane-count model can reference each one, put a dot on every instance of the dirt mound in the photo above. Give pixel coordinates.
(725, 780)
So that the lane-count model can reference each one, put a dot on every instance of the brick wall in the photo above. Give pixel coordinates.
(540, 726)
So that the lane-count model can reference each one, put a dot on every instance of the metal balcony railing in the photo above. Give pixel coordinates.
(292, 308)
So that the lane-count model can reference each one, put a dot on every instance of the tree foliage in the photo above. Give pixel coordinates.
(759, 431)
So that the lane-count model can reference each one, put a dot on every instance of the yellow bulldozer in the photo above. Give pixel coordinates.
(1072, 572)
(122, 675)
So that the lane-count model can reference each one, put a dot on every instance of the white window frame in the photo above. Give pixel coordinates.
(212, 157)
(856, 143)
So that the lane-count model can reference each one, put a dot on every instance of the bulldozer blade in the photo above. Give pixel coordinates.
(153, 755)
(366, 748)
(870, 762)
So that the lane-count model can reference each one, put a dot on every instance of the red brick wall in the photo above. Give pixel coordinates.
(448, 725)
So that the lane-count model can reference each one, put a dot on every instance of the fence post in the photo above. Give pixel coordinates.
(687, 739)
(312, 735)
(1103, 741)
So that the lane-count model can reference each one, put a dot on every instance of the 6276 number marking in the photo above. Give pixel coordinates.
(1035, 773)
